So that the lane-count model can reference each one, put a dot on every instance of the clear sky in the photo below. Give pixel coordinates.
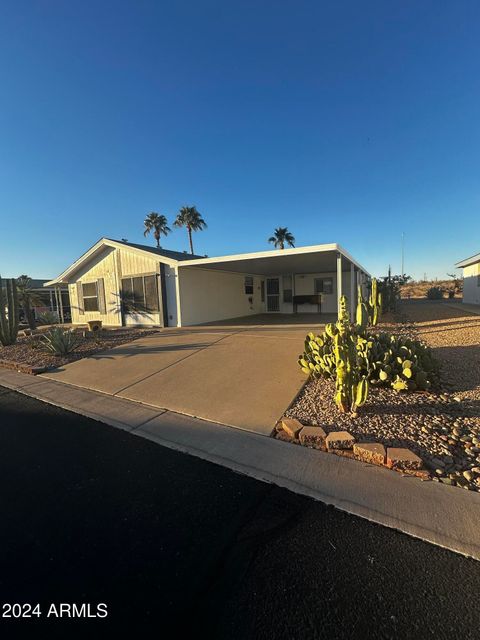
(348, 122)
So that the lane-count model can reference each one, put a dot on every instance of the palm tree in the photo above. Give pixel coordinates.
(189, 217)
(28, 298)
(281, 237)
(157, 223)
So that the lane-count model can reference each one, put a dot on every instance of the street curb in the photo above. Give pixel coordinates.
(443, 515)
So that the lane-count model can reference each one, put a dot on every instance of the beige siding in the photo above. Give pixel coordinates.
(110, 265)
(102, 266)
(133, 263)
(471, 284)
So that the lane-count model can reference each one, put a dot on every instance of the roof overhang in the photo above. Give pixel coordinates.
(468, 261)
(96, 250)
(313, 259)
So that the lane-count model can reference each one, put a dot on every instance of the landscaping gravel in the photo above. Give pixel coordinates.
(442, 428)
(28, 350)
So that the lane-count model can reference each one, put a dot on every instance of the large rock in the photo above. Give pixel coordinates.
(339, 440)
(291, 426)
(313, 437)
(399, 458)
(371, 452)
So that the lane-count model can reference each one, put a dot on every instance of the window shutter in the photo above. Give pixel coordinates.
(81, 310)
(102, 308)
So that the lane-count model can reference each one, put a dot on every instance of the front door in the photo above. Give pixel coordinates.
(273, 294)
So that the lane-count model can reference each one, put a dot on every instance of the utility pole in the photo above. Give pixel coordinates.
(403, 254)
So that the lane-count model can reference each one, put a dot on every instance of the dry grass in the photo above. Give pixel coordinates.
(419, 289)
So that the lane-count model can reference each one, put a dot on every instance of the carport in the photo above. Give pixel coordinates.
(305, 280)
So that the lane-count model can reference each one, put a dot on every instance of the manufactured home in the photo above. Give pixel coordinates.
(122, 283)
(471, 279)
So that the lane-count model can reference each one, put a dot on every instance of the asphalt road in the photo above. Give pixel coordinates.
(179, 547)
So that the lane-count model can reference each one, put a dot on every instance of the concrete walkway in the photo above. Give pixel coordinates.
(446, 516)
(243, 376)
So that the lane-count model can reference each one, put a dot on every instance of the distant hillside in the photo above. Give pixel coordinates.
(419, 289)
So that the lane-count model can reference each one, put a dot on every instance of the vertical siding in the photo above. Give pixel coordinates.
(134, 263)
(102, 266)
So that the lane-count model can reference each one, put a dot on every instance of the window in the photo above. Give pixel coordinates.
(287, 289)
(248, 285)
(140, 294)
(262, 291)
(324, 285)
(90, 296)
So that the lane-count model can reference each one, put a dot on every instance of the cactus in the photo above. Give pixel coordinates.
(383, 359)
(351, 388)
(374, 303)
(9, 316)
(361, 316)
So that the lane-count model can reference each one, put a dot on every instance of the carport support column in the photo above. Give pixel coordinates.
(339, 280)
(352, 292)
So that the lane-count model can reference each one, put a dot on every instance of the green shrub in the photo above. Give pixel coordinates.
(59, 341)
(49, 317)
(384, 359)
(435, 293)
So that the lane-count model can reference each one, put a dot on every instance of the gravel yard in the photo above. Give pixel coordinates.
(28, 350)
(442, 428)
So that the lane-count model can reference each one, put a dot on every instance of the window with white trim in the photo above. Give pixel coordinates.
(249, 285)
(90, 296)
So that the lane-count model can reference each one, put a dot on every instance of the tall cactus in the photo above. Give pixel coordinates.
(9, 315)
(374, 303)
(362, 312)
(351, 389)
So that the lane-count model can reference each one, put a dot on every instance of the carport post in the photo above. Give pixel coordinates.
(352, 292)
(339, 280)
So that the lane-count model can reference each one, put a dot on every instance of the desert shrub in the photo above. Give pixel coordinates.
(59, 341)
(384, 359)
(49, 317)
(435, 293)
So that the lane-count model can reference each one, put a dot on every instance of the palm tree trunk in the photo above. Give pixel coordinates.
(190, 239)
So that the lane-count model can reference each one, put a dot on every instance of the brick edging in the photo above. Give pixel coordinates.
(22, 367)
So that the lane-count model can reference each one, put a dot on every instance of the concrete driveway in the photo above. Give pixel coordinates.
(239, 374)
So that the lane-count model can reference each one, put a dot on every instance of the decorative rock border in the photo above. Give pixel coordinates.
(343, 443)
(21, 367)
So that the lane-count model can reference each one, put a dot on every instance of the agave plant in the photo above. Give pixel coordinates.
(60, 341)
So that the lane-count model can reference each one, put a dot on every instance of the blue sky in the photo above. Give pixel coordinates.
(348, 122)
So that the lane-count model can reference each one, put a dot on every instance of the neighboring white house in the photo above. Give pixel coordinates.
(471, 279)
(123, 283)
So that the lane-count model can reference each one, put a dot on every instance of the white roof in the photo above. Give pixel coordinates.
(468, 261)
(298, 259)
(284, 260)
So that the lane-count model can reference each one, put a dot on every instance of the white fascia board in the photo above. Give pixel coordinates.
(319, 248)
(105, 242)
(352, 260)
(468, 261)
